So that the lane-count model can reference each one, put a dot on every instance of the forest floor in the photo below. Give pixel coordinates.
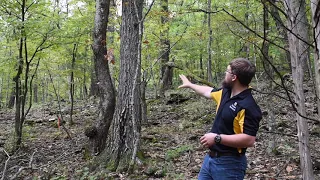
(170, 141)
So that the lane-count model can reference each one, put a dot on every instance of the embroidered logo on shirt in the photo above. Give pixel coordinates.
(233, 106)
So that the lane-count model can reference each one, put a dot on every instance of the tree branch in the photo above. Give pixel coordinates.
(5, 165)
(145, 15)
(25, 167)
(204, 11)
(274, 5)
(247, 27)
(159, 57)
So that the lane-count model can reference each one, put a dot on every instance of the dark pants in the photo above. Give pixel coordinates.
(223, 168)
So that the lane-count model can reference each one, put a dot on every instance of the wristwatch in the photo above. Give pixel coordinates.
(217, 139)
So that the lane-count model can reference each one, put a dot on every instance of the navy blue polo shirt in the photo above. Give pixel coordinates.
(236, 115)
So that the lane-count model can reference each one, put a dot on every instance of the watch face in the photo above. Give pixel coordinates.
(217, 139)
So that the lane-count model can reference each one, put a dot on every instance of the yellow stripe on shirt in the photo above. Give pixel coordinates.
(217, 95)
(238, 124)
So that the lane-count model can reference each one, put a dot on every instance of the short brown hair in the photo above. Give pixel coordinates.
(244, 70)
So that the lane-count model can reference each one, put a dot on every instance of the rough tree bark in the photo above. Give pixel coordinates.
(124, 136)
(297, 22)
(98, 133)
(315, 7)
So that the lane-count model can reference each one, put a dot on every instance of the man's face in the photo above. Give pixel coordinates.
(228, 82)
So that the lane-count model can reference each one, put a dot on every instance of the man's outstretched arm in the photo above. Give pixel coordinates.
(204, 91)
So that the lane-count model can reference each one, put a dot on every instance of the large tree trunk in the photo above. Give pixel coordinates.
(298, 49)
(123, 141)
(166, 73)
(315, 7)
(98, 133)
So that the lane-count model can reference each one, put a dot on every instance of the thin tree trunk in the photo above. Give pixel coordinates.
(12, 99)
(315, 7)
(84, 81)
(144, 107)
(297, 23)
(166, 72)
(72, 82)
(266, 60)
(8, 94)
(209, 68)
(246, 46)
(201, 66)
(17, 80)
(280, 27)
(35, 93)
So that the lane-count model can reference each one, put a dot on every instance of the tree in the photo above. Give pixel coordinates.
(266, 59)
(98, 133)
(166, 72)
(297, 22)
(315, 7)
(124, 136)
(31, 43)
(209, 68)
(274, 11)
(71, 90)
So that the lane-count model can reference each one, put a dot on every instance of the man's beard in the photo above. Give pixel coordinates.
(226, 84)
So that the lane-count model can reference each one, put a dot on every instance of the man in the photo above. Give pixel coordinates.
(235, 125)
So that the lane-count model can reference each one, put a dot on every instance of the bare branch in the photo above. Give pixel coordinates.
(287, 91)
(243, 24)
(279, 9)
(204, 11)
(144, 17)
(19, 2)
(150, 67)
(25, 167)
(5, 165)
(293, 104)
(27, 8)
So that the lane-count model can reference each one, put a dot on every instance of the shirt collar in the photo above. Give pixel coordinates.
(241, 95)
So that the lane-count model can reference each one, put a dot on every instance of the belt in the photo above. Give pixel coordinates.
(214, 154)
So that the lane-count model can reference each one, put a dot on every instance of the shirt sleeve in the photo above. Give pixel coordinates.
(252, 117)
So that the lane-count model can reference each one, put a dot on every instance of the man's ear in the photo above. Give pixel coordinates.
(234, 77)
